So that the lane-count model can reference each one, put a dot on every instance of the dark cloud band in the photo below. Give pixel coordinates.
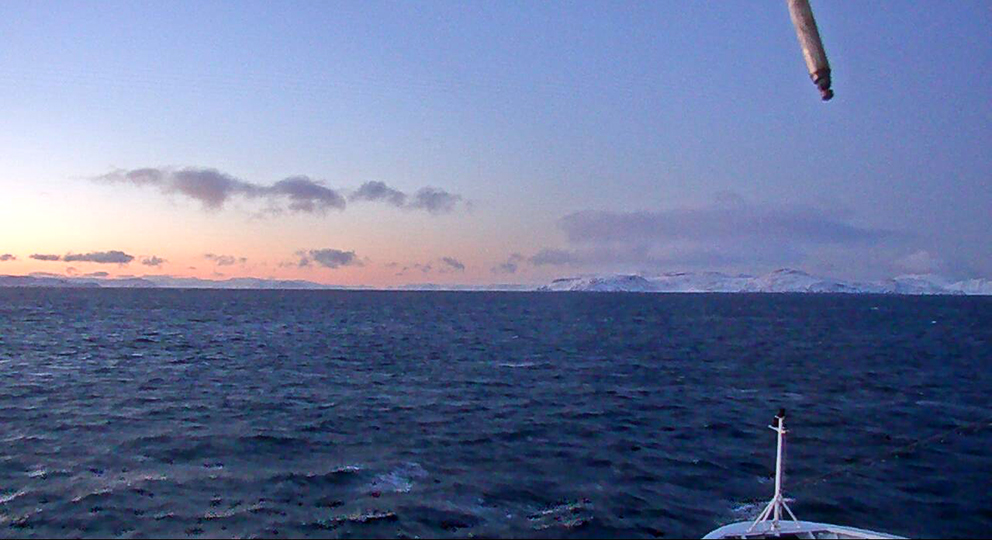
(431, 199)
(100, 257)
(453, 263)
(213, 189)
(715, 223)
(726, 232)
(328, 258)
(224, 260)
(45, 257)
(510, 266)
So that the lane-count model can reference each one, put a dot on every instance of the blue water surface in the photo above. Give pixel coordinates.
(197, 413)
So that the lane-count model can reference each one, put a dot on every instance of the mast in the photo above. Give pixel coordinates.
(780, 430)
(774, 508)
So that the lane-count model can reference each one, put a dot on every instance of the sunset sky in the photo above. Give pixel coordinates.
(363, 143)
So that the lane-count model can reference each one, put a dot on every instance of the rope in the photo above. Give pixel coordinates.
(911, 447)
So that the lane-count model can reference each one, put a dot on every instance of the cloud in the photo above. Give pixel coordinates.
(96, 274)
(504, 268)
(306, 195)
(920, 262)
(140, 177)
(441, 265)
(379, 191)
(434, 200)
(328, 258)
(100, 257)
(224, 260)
(553, 257)
(725, 233)
(715, 223)
(44, 257)
(425, 268)
(453, 263)
(641, 258)
(152, 261)
(7, 257)
(510, 266)
(214, 189)
(209, 186)
(333, 258)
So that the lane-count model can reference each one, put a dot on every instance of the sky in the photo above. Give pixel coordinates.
(388, 143)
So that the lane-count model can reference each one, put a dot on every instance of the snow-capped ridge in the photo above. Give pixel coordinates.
(977, 286)
(783, 280)
(618, 283)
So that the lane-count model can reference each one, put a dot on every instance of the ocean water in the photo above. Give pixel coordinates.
(186, 413)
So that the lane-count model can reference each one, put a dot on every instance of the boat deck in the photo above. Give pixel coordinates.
(792, 529)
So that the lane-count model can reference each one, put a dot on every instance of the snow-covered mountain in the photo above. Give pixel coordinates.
(973, 286)
(916, 284)
(455, 287)
(788, 280)
(778, 281)
(619, 283)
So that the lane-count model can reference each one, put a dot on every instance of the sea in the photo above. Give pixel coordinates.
(206, 413)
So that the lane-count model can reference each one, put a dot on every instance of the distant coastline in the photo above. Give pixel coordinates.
(778, 281)
(246, 283)
(784, 280)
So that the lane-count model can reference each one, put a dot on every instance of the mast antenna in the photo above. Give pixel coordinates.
(773, 511)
